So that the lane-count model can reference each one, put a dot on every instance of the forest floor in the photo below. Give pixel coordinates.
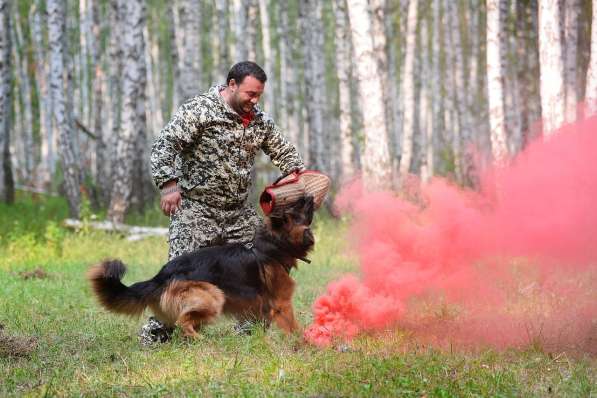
(56, 341)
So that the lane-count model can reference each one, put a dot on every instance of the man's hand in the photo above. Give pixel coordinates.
(170, 202)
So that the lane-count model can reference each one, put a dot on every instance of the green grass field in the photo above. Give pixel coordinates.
(56, 341)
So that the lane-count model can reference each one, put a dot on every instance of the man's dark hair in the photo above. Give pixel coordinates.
(243, 69)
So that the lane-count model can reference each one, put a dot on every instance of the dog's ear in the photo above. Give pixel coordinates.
(276, 219)
(309, 208)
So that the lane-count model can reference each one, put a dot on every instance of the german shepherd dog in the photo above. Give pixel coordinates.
(193, 289)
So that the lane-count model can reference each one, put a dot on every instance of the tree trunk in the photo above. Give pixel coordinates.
(408, 90)
(499, 148)
(21, 64)
(47, 162)
(251, 24)
(6, 179)
(239, 21)
(101, 154)
(59, 87)
(436, 86)
(221, 21)
(343, 66)
(571, 12)
(314, 69)
(591, 90)
(188, 34)
(133, 95)
(377, 171)
(550, 58)
(268, 101)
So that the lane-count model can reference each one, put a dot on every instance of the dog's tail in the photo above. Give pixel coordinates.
(114, 295)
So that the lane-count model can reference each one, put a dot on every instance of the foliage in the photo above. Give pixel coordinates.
(83, 350)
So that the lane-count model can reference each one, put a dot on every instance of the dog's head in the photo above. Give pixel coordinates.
(293, 222)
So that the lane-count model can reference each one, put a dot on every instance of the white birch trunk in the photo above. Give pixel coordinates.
(239, 20)
(59, 83)
(571, 11)
(513, 115)
(550, 59)
(591, 90)
(343, 63)
(268, 101)
(115, 65)
(408, 90)
(377, 172)
(84, 37)
(6, 178)
(133, 96)
(187, 32)
(312, 33)
(436, 86)
(499, 148)
(47, 162)
(26, 148)
(221, 21)
(251, 29)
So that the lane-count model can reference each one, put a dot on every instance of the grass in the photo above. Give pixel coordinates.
(78, 349)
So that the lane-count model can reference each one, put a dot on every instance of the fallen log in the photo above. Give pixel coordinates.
(133, 232)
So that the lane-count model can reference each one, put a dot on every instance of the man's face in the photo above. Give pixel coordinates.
(245, 95)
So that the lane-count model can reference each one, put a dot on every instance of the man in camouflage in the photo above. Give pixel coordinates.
(201, 161)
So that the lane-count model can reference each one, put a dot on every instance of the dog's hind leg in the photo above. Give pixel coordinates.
(192, 304)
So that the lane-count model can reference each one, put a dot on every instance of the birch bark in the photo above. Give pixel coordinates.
(550, 59)
(571, 11)
(133, 96)
(47, 162)
(408, 90)
(499, 148)
(267, 56)
(591, 90)
(188, 33)
(6, 177)
(343, 63)
(312, 33)
(377, 172)
(59, 87)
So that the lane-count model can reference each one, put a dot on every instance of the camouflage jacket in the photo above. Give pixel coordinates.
(208, 150)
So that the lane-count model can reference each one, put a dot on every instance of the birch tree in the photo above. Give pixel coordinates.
(26, 148)
(499, 148)
(314, 69)
(221, 21)
(46, 166)
(591, 90)
(59, 87)
(377, 172)
(188, 33)
(408, 90)
(343, 66)
(6, 178)
(550, 60)
(571, 11)
(133, 87)
(267, 55)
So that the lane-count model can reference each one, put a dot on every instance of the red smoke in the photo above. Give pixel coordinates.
(513, 264)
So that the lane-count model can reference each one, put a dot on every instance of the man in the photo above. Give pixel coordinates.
(201, 161)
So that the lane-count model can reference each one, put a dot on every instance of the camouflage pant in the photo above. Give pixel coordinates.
(197, 224)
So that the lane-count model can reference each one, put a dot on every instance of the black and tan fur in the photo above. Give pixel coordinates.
(195, 288)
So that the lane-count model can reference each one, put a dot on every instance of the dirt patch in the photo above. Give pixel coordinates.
(16, 346)
(37, 273)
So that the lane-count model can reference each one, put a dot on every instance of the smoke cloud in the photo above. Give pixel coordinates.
(512, 264)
